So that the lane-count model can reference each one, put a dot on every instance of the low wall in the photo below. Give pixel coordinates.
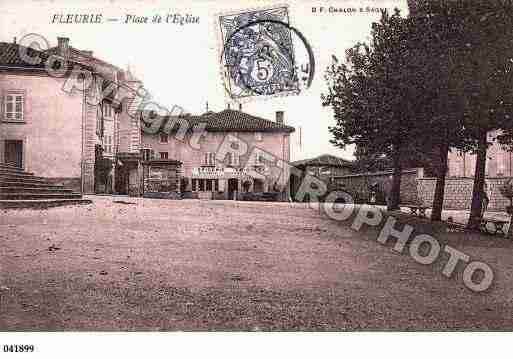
(358, 184)
(458, 192)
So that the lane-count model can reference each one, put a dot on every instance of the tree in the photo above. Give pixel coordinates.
(436, 32)
(383, 98)
(484, 74)
(370, 162)
(507, 191)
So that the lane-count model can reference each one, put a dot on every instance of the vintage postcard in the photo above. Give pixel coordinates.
(253, 166)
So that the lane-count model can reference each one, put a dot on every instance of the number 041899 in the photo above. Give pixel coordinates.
(18, 348)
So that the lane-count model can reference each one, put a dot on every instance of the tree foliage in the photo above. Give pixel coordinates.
(425, 84)
(386, 98)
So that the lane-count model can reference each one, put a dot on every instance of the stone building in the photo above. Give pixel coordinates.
(498, 161)
(214, 165)
(325, 167)
(35, 112)
(106, 119)
(59, 111)
(65, 114)
(460, 177)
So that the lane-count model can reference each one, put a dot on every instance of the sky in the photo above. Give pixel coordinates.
(179, 64)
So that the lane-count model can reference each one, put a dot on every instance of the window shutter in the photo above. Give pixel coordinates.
(14, 106)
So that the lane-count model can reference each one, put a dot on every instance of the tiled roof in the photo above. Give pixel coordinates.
(81, 56)
(232, 120)
(10, 56)
(323, 160)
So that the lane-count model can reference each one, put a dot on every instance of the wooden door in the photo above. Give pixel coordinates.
(14, 153)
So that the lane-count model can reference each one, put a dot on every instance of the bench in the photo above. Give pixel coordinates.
(417, 209)
(498, 226)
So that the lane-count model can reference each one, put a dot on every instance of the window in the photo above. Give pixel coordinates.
(233, 159)
(209, 185)
(107, 110)
(147, 154)
(209, 159)
(258, 136)
(164, 138)
(491, 135)
(194, 185)
(325, 171)
(106, 146)
(14, 106)
(216, 185)
(163, 155)
(201, 184)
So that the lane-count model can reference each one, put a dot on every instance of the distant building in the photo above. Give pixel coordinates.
(498, 161)
(325, 167)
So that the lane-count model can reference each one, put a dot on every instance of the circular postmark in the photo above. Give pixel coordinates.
(266, 57)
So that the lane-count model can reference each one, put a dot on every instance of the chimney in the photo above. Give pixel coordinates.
(228, 106)
(63, 46)
(14, 41)
(279, 117)
(240, 107)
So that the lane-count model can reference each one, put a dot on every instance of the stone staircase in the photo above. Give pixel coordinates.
(20, 189)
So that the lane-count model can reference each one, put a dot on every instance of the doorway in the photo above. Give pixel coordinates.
(233, 186)
(14, 153)
(258, 185)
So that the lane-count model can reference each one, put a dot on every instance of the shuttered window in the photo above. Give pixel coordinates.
(14, 106)
(209, 159)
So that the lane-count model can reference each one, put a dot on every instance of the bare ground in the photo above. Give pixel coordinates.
(215, 265)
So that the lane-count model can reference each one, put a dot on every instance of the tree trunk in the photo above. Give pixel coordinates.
(395, 195)
(438, 200)
(510, 230)
(479, 179)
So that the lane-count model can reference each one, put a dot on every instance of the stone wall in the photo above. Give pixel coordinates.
(359, 184)
(458, 192)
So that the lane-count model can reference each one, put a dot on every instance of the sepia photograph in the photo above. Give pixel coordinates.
(255, 172)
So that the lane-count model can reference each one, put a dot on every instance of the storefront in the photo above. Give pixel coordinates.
(226, 183)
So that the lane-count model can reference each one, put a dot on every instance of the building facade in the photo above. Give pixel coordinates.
(325, 167)
(57, 124)
(86, 132)
(34, 113)
(498, 161)
(236, 153)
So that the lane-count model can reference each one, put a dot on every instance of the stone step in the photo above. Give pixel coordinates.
(32, 196)
(9, 166)
(36, 189)
(18, 176)
(28, 183)
(15, 172)
(30, 179)
(41, 203)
